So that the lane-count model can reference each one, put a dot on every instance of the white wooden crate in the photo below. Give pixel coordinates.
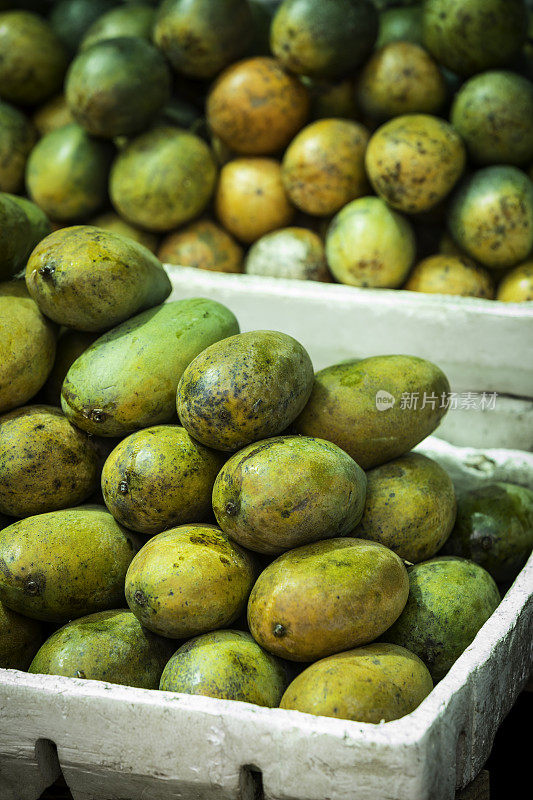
(120, 743)
(481, 345)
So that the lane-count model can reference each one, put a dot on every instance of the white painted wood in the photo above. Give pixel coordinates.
(121, 743)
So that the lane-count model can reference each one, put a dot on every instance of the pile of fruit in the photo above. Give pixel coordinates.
(190, 508)
(378, 143)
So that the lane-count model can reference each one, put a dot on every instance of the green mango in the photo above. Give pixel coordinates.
(410, 507)
(189, 580)
(70, 345)
(128, 378)
(45, 462)
(20, 638)
(17, 137)
(91, 280)
(375, 684)
(245, 388)
(27, 346)
(494, 528)
(400, 25)
(136, 19)
(22, 226)
(359, 405)
(158, 478)
(288, 491)
(65, 564)
(229, 665)
(70, 19)
(325, 597)
(449, 600)
(107, 646)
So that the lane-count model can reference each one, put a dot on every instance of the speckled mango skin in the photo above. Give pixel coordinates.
(369, 244)
(27, 347)
(491, 216)
(22, 226)
(130, 20)
(201, 37)
(245, 388)
(494, 528)
(295, 253)
(107, 646)
(449, 600)
(162, 179)
(324, 166)
(34, 60)
(17, 137)
(375, 684)
(229, 665)
(70, 345)
(414, 161)
(400, 78)
(203, 245)
(67, 173)
(326, 597)
(45, 462)
(410, 507)
(469, 36)
(493, 113)
(255, 107)
(288, 491)
(446, 274)
(128, 378)
(65, 564)
(20, 638)
(517, 285)
(158, 478)
(323, 40)
(342, 406)
(117, 86)
(91, 280)
(189, 580)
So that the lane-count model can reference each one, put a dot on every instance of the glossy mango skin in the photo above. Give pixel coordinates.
(128, 378)
(22, 226)
(27, 347)
(342, 407)
(376, 683)
(20, 638)
(227, 664)
(45, 462)
(326, 597)
(449, 274)
(189, 580)
(414, 161)
(67, 173)
(243, 389)
(65, 564)
(70, 345)
(410, 507)
(295, 253)
(494, 528)
(449, 600)
(117, 86)
(288, 491)
(158, 478)
(517, 285)
(91, 280)
(107, 646)
(17, 137)
(199, 38)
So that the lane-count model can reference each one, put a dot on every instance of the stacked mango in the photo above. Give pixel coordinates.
(191, 508)
(378, 143)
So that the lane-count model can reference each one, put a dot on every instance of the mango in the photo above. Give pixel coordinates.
(203, 245)
(22, 226)
(70, 345)
(20, 638)
(449, 600)
(245, 388)
(226, 664)
(107, 646)
(17, 137)
(158, 478)
(288, 491)
(410, 507)
(53, 114)
(450, 274)
(134, 19)
(91, 280)
(517, 285)
(376, 683)
(189, 580)
(128, 378)
(326, 597)
(112, 222)
(295, 253)
(494, 528)
(65, 564)
(377, 408)
(70, 19)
